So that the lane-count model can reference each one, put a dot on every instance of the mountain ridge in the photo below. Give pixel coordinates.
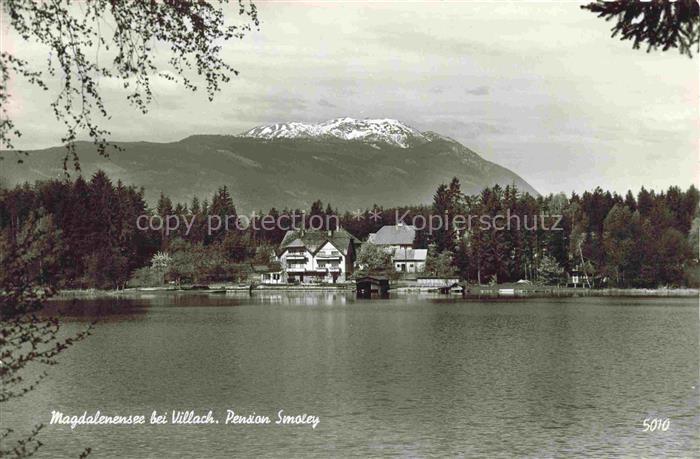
(282, 172)
(386, 130)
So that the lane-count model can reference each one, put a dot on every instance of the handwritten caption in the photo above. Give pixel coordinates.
(186, 417)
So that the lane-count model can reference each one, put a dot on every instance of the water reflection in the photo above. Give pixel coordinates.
(304, 299)
(110, 309)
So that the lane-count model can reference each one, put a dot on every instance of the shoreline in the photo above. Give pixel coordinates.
(576, 292)
(471, 293)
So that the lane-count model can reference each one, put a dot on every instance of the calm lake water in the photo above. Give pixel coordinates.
(407, 376)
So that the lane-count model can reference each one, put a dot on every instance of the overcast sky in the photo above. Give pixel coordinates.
(538, 87)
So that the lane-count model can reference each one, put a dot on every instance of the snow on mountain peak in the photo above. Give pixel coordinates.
(388, 131)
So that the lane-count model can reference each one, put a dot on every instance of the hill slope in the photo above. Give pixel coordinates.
(288, 170)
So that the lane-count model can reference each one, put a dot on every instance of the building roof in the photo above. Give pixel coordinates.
(313, 240)
(371, 278)
(394, 235)
(296, 243)
(271, 267)
(410, 254)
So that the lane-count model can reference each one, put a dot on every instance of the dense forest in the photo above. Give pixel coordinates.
(87, 235)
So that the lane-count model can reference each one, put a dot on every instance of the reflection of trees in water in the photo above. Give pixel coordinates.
(90, 309)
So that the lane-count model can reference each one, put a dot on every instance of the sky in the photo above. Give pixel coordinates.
(538, 87)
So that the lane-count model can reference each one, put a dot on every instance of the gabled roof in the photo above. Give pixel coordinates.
(313, 240)
(410, 254)
(370, 277)
(394, 235)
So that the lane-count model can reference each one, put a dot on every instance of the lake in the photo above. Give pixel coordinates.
(405, 376)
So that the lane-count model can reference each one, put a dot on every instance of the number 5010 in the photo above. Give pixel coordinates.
(654, 424)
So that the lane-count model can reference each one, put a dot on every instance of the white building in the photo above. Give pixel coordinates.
(409, 260)
(393, 237)
(398, 241)
(268, 274)
(314, 256)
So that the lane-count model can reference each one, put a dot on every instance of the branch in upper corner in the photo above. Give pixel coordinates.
(74, 37)
(656, 24)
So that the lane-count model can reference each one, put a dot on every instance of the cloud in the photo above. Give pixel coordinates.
(325, 103)
(478, 91)
(465, 129)
(278, 102)
(422, 43)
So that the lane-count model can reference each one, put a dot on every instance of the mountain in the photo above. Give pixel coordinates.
(388, 131)
(350, 163)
